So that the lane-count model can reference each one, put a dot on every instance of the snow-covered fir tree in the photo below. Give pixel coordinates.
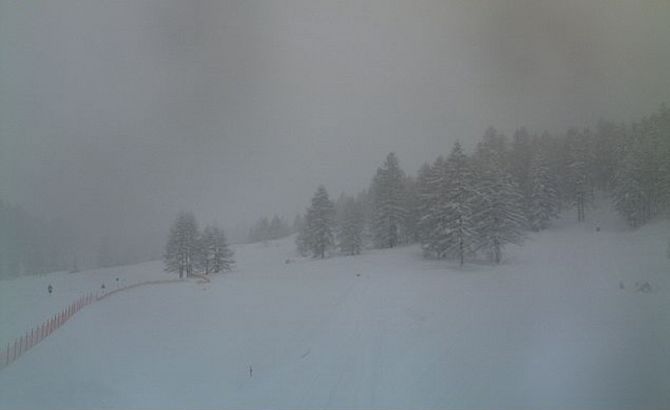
(498, 215)
(579, 170)
(302, 240)
(432, 191)
(628, 194)
(181, 247)
(351, 225)
(543, 200)
(412, 208)
(642, 179)
(388, 199)
(214, 255)
(519, 159)
(448, 229)
(319, 224)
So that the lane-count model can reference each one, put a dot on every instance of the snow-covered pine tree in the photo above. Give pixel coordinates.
(181, 247)
(579, 176)
(388, 198)
(448, 221)
(605, 141)
(319, 224)
(519, 159)
(204, 251)
(628, 193)
(498, 213)
(664, 161)
(432, 191)
(222, 256)
(302, 240)
(350, 232)
(213, 253)
(425, 195)
(543, 201)
(364, 199)
(412, 208)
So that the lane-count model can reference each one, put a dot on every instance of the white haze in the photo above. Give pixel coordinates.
(115, 115)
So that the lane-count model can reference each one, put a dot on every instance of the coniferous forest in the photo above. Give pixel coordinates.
(467, 205)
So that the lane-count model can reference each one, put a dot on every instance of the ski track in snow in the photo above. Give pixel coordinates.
(549, 328)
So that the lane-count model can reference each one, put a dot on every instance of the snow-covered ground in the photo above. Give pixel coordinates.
(549, 328)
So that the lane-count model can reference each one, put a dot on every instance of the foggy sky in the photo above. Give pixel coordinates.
(115, 115)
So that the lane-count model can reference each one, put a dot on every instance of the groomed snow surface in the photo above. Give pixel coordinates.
(550, 328)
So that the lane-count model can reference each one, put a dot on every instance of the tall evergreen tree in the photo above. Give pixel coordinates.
(519, 161)
(543, 201)
(350, 232)
(448, 221)
(498, 212)
(303, 240)
(424, 196)
(213, 253)
(319, 223)
(432, 190)
(579, 170)
(629, 194)
(181, 247)
(388, 203)
(412, 206)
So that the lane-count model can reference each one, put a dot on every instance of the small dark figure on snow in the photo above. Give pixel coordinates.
(597, 229)
(50, 288)
(251, 371)
(117, 280)
(103, 286)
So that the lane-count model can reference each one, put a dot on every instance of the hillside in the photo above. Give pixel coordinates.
(549, 328)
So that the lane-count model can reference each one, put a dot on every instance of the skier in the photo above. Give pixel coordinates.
(50, 288)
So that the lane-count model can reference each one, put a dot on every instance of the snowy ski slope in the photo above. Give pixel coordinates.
(549, 328)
